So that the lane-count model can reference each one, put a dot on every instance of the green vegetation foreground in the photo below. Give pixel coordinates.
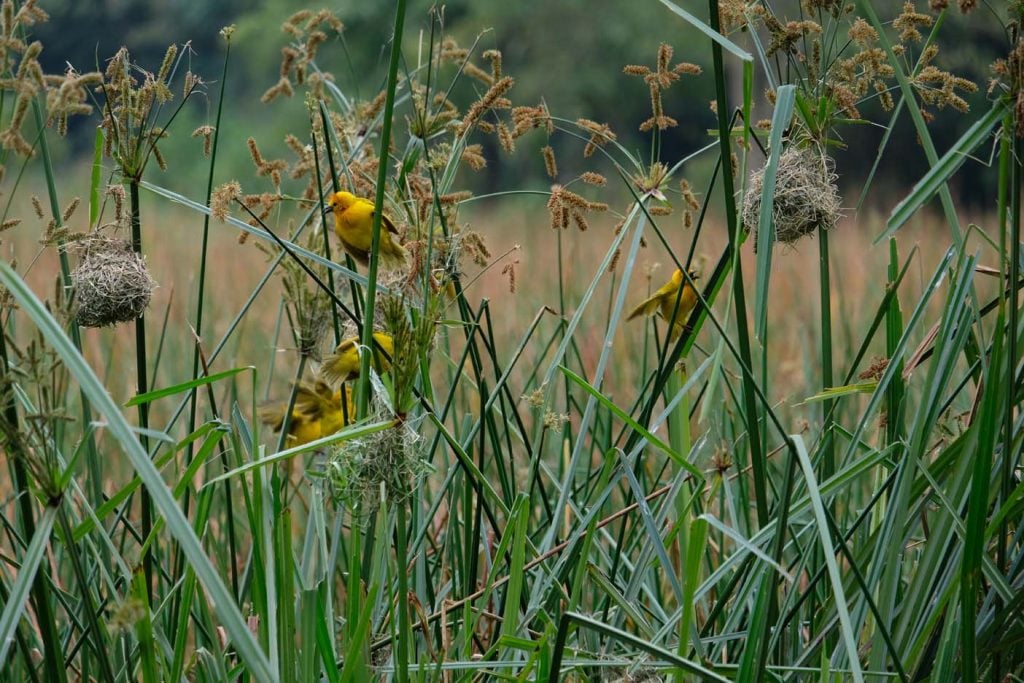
(583, 476)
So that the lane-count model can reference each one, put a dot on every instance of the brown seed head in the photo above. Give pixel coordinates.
(486, 103)
(550, 164)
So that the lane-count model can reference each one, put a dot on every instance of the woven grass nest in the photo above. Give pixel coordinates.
(806, 196)
(112, 283)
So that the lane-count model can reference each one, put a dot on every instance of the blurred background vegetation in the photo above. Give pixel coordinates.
(569, 53)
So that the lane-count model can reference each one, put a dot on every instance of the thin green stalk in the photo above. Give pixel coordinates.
(142, 387)
(144, 632)
(93, 462)
(349, 262)
(203, 252)
(335, 319)
(284, 576)
(562, 330)
(363, 387)
(1004, 184)
(828, 463)
(679, 440)
(404, 630)
(200, 300)
(1008, 455)
(1014, 312)
(895, 429)
(986, 426)
(827, 446)
(750, 409)
(765, 613)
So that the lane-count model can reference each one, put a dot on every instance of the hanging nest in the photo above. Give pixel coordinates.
(112, 283)
(385, 462)
(806, 196)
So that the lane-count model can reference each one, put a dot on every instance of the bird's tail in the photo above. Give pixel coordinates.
(394, 258)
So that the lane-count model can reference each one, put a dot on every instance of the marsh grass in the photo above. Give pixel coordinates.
(818, 479)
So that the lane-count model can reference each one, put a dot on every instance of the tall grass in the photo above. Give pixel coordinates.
(529, 485)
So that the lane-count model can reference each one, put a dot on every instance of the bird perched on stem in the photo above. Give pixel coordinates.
(353, 224)
(343, 364)
(318, 412)
(673, 305)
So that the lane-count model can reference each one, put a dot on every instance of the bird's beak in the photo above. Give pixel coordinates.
(328, 208)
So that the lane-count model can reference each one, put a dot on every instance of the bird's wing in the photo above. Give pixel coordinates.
(668, 289)
(649, 306)
(324, 391)
(389, 224)
(337, 366)
(681, 303)
(344, 346)
(646, 307)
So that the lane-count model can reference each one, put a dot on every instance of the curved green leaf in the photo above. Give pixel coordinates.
(18, 598)
(950, 162)
(708, 31)
(784, 103)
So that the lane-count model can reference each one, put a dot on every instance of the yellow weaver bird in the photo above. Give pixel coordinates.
(667, 299)
(343, 364)
(353, 224)
(318, 412)
(443, 282)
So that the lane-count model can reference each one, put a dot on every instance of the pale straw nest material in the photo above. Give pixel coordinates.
(383, 464)
(112, 283)
(806, 196)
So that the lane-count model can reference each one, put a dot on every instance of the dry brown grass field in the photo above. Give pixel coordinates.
(525, 238)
